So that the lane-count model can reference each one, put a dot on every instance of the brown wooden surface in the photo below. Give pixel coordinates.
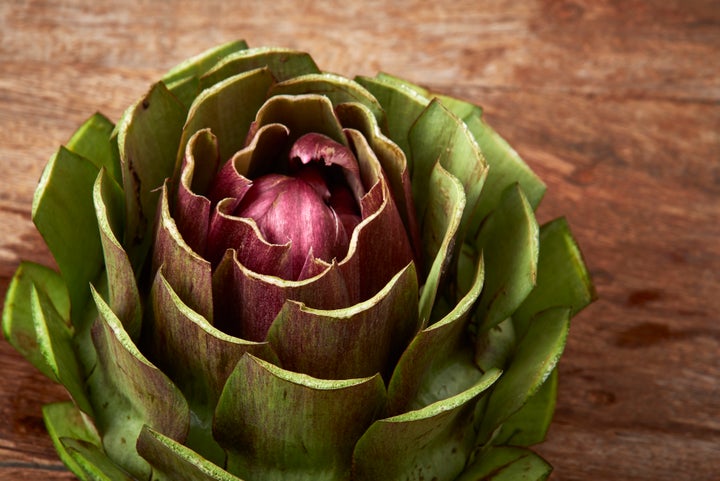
(616, 104)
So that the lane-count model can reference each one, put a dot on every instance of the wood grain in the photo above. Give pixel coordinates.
(615, 104)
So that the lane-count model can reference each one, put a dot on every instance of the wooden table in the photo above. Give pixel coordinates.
(616, 105)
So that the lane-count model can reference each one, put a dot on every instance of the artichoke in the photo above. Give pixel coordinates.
(269, 272)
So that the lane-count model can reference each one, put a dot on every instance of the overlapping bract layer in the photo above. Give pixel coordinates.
(253, 274)
(197, 344)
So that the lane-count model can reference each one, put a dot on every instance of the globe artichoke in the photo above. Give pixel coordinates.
(268, 272)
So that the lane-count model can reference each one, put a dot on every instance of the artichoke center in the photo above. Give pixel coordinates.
(312, 206)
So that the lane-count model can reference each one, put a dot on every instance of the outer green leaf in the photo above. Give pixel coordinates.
(530, 424)
(201, 63)
(563, 279)
(54, 340)
(279, 425)
(148, 138)
(283, 63)
(438, 363)
(446, 201)
(509, 241)
(506, 168)
(353, 342)
(468, 258)
(463, 110)
(184, 79)
(430, 443)
(64, 214)
(64, 420)
(185, 90)
(124, 298)
(402, 106)
(495, 346)
(95, 464)
(536, 356)
(401, 82)
(438, 136)
(92, 141)
(507, 464)
(129, 392)
(172, 461)
(335, 87)
(17, 319)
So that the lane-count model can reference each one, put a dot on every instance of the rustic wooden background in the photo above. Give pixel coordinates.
(616, 104)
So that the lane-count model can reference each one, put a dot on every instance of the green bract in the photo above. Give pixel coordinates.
(422, 343)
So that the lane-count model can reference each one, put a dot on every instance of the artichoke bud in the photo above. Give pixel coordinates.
(344, 280)
(311, 207)
(286, 206)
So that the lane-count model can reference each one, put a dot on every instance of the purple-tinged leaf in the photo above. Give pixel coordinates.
(277, 424)
(356, 341)
(316, 147)
(288, 210)
(197, 357)
(246, 302)
(394, 165)
(192, 209)
(254, 160)
(228, 231)
(379, 247)
(128, 392)
(124, 298)
(188, 273)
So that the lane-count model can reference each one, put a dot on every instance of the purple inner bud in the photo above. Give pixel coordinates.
(314, 206)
